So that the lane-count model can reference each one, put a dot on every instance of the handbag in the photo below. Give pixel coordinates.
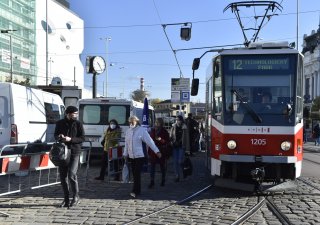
(125, 173)
(187, 167)
(59, 154)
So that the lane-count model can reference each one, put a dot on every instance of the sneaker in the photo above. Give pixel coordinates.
(75, 201)
(133, 195)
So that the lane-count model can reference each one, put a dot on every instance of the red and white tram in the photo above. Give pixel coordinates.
(254, 108)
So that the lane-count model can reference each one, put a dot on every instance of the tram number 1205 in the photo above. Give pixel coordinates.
(255, 141)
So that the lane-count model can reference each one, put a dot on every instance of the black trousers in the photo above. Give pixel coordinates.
(136, 165)
(104, 165)
(68, 176)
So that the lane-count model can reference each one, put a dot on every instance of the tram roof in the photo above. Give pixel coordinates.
(262, 48)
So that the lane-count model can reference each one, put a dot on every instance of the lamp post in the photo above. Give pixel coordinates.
(106, 39)
(11, 58)
(50, 61)
(122, 81)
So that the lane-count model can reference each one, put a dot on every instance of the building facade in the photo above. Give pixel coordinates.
(39, 56)
(311, 51)
(18, 39)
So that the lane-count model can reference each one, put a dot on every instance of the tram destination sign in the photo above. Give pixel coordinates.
(259, 64)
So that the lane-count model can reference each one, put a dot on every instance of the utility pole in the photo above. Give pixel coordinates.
(11, 54)
(107, 39)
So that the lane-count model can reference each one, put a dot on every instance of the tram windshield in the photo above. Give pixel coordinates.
(259, 89)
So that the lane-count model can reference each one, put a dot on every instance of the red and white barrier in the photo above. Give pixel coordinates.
(29, 162)
(115, 153)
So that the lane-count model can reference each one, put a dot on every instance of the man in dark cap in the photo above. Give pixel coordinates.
(70, 131)
(192, 125)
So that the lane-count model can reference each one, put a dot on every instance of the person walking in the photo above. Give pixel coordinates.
(179, 137)
(70, 131)
(201, 135)
(133, 150)
(110, 139)
(193, 131)
(316, 134)
(161, 138)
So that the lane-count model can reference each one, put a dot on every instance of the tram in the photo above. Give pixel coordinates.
(254, 120)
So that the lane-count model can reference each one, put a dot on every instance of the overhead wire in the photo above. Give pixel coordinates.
(164, 30)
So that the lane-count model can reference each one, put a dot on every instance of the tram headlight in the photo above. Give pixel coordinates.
(286, 145)
(231, 144)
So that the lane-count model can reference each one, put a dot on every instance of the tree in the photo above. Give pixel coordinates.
(139, 95)
(155, 101)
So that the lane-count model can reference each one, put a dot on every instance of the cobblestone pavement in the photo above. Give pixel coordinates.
(110, 203)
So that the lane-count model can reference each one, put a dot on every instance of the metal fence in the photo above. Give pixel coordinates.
(27, 166)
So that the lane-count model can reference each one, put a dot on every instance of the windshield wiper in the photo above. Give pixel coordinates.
(251, 112)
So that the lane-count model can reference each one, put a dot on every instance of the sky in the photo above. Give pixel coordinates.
(139, 46)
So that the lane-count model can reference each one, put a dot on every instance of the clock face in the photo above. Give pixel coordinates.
(99, 65)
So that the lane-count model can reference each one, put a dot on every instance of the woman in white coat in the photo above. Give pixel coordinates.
(133, 150)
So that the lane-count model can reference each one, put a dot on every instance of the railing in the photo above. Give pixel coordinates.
(115, 161)
(25, 160)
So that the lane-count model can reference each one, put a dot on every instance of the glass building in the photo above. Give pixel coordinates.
(38, 57)
(18, 38)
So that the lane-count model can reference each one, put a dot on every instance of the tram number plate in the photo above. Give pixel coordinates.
(255, 141)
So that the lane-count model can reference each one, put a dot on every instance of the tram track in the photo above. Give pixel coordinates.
(268, 201)
(311, 160)
(183, 201)
(308, 183)
(263, 201)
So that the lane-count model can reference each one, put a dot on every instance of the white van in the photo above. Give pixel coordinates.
(96, 113)
(27, 114)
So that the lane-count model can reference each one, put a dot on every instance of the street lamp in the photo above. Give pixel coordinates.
(107, 39)
(11, 58)
(122, 82)
(50, 61)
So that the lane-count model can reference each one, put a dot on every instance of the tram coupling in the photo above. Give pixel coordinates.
(258, 174)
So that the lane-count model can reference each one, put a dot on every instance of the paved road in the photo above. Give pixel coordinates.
(101, 202)
(110, 203)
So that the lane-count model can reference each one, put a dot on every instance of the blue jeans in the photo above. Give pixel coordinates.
(178, 156)
(318, 140)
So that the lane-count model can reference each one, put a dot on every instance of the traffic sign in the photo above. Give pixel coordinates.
(185, 96)
(175, 96)
(180, 84)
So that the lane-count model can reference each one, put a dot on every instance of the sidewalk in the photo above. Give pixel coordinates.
(310, 146)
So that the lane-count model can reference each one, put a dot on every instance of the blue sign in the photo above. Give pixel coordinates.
(185, 96)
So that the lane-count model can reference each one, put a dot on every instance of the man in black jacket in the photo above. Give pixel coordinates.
(70, 131)
(192, 125)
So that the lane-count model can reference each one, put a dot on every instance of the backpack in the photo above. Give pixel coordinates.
(187, 167)
(59, 154)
